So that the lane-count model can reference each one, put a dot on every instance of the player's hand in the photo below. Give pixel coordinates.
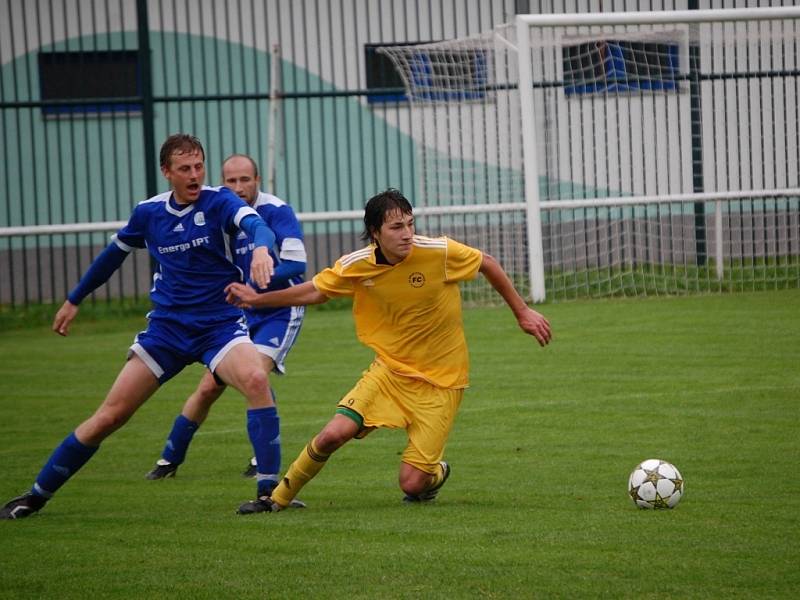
(64, 317)
(240, 294)
(534, 323)
(261, 267)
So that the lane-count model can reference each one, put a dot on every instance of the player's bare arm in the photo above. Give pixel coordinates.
(529, 320)
(64, 317)
(243, 296)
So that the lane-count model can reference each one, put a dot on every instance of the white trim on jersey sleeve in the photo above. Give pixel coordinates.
(242, 213)
(122, 245)
(293, 249)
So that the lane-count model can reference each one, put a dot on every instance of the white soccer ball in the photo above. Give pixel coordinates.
(656, 483)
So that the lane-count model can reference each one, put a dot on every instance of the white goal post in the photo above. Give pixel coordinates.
(619, 153)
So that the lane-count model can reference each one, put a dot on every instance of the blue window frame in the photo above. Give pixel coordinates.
(102, 75)
(619, 66)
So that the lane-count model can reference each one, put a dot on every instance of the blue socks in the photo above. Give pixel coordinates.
(179, 439)
(263, 426)
(65, 461)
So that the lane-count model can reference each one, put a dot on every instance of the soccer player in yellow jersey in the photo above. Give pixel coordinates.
(407, 308)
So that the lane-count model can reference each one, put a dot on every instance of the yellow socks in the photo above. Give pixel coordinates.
(302, 470)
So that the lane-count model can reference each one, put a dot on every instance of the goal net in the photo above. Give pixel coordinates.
(615, 154)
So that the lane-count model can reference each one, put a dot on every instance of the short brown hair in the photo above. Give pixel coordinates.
(179, 143)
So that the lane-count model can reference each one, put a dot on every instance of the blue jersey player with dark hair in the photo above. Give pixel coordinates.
(187, 232)
(273, 330)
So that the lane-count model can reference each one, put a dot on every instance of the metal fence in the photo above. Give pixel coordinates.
(89, 89)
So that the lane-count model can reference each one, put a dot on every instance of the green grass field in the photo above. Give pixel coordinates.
(536, 506)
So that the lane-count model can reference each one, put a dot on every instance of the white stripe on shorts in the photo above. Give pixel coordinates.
(278, 355)
(239, 339)
(151, 363)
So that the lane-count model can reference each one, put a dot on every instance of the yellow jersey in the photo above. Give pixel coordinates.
(410, 313)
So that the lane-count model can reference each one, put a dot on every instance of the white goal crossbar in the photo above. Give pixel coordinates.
(661, 17)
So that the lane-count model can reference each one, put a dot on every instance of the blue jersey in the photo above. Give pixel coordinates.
(191, 245)
(279, 217)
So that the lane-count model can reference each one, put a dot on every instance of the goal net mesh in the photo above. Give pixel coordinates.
(666, 155)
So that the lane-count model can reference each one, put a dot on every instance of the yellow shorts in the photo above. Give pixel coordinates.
(383, 399)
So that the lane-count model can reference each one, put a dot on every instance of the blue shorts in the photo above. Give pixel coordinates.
(275, 333)
(173, 340)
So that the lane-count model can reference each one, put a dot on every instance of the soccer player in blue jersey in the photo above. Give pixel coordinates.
(273, 331)
(187, 232)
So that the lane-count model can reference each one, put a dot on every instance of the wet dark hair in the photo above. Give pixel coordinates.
(376, 208)
(179, 143)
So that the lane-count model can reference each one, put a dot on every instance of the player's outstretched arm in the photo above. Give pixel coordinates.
(530, 321)
(64, 317)
(101, 269)
(244, 296)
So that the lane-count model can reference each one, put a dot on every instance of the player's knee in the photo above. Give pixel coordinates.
(255, 383)
(412, 487)
(414, 482)
(207, 392)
